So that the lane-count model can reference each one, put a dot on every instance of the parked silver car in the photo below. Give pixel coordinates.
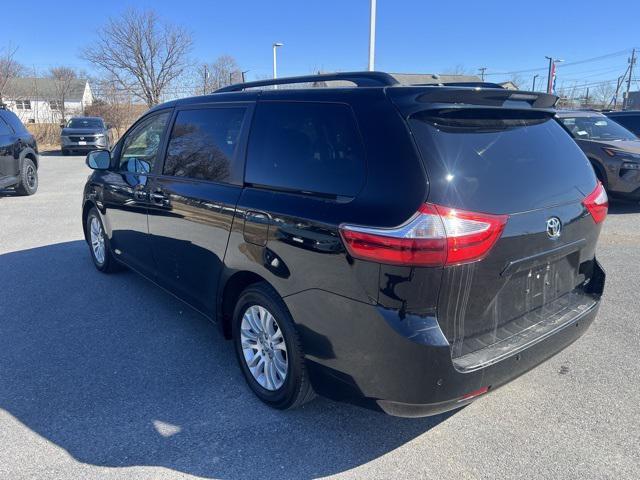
(83, 134)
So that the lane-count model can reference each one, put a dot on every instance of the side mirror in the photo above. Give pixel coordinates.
(62, 125)
(98, 159)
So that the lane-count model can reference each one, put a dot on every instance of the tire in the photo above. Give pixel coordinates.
(104, 262)
(28, 178)
(295, 388)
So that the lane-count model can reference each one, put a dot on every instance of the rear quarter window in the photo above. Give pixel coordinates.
(306, 147)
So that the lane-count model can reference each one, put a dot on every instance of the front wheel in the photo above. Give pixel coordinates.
(99, 243)
(28, 178)
(268, 349)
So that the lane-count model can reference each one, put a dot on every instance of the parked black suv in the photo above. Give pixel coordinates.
(403, 248)
(629, 119)
(18, 155)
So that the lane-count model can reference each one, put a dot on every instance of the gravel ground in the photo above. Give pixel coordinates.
(109, 377)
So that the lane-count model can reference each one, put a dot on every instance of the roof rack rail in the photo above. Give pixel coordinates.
(361, 79)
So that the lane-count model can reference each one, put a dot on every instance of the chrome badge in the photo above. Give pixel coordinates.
(554, 227)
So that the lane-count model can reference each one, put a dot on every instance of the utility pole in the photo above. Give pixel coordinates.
(586, 98)
(372, 35)
(482, 70)
(618, 85)
(632, 60)
(533, 87)
(205, 77)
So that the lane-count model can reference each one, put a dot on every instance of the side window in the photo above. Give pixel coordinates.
(203, 143)
(305, 146)
(4, 128)
(140, 147)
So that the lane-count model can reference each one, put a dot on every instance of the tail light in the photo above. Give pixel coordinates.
(434, 236)
(597, 203)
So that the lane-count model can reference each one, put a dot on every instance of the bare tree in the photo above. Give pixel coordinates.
(9, 67)
(64, 78)
(604, 93)
(517, 80)
(114, 105)
(224, 71)
(458, 69)
(143, 54)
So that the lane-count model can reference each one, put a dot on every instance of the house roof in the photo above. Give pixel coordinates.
(509, 85)
(37, 88)
(433, 78)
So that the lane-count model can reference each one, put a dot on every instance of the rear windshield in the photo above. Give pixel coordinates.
(500, 161)
(596, 128)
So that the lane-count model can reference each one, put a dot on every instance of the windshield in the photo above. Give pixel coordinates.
(596, 128)
(85, 123)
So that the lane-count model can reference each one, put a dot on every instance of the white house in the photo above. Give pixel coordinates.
(39, 100)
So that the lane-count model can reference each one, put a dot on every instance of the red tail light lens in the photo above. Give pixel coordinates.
(597, 203)
(434, 236)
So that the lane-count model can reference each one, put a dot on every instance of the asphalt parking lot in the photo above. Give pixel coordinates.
(109, 377)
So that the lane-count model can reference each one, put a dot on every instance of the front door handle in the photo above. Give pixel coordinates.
(160, 198)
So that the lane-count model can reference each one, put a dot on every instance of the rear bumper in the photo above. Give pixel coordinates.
(361, 353)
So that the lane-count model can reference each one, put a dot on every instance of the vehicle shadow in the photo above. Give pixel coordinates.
(118, 373)
(622, 207)
(50, 153)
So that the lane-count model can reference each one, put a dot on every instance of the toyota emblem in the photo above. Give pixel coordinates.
(554, 227)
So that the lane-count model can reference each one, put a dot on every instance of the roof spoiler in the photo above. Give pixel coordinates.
(414, 99)
(361, 79)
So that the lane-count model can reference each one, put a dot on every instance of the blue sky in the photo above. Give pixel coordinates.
(412, 35)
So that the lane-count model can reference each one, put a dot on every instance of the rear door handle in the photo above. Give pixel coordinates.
(140, 195)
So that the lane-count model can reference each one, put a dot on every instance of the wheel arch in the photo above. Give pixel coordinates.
(88, 205)
(31, 155)
(230, 292)
(601, 173)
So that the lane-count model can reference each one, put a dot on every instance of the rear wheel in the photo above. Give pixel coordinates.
(28, 178)
(268, 349)
(99, 243)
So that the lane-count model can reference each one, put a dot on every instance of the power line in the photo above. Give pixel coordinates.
(567, 64)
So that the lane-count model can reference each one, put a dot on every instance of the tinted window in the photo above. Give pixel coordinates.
(141, 145)
(4, 128)
(500, 161)
(203, 143)
(311, 147)
(84, 122)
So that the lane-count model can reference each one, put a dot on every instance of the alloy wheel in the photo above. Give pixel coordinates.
(264, 348)
(97, 240)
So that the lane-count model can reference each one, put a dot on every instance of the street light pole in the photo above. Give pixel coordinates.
(372, 35)
(533, 88)
(275, 68)
(549, 74)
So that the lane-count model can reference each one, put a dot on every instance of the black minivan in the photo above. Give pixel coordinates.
(405, 248)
